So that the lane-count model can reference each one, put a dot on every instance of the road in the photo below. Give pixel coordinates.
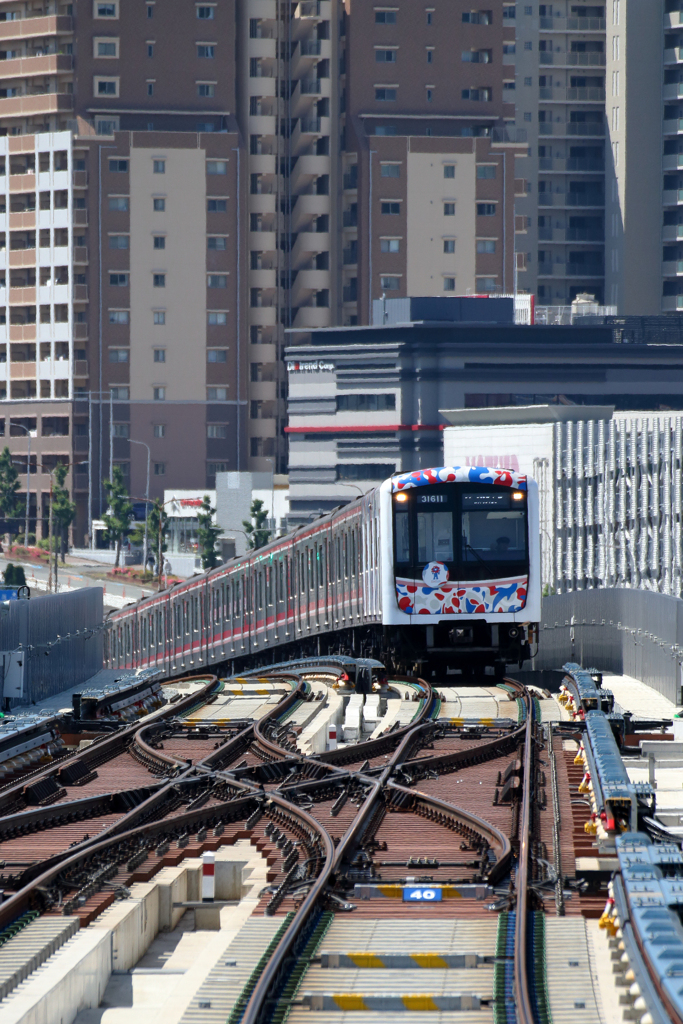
(116, 595)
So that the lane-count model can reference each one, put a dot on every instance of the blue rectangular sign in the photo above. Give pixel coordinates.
(421, 894)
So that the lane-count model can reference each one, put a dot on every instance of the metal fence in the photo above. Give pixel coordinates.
(50, 643)
(630, 632)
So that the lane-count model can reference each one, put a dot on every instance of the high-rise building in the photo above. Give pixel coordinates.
(186, 181)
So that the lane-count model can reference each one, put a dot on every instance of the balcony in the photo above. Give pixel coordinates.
(22, 257)
(306, 283)
(308, 206)
(265, 202)
(350, 219)
(570, 165)
(263, 241)
(263, 47)
(588, 94)
(350, 293)
(263, 316)
(308, 243)
(80, 292)
(306, 168)
(672, 232)
(570, 199)
(572, 60)
(22, 371)
(674, 55)
(562, 235)
(306, 131)
(350, 256)
(34, 106)
(306, 92)
(672, 197)
(561, 24)
(579, 129)
(263, 85)
(312, 317)
(30, 28)
(45, 64)
(80, 254)
(672, 268)
(672, 304)
(673, 91)
(265, 277)
(673, 19)
(351, 180)
(583, 270)
(306, 53)
(673, 126)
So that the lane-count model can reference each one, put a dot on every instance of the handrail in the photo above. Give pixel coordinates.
(522, 996)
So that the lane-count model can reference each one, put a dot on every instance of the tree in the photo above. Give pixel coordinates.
(207, 534)
(257, 534)
(9, 485)
(157, 529)
(14, 576)
(63, 510)
(118, 516)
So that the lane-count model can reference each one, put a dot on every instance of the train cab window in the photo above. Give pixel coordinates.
(402, 521)
(493, 527)
(434, 536)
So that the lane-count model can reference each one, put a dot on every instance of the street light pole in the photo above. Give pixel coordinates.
(144, 545)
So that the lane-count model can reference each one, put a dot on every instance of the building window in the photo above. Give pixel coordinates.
(217, 355)
(217, 467)
(160, 241)
(118, 204)
(217, 242)
(366, 471)
(486, 284)
(159, 316)
(528, 45)
(217, 394)
(390, 283)
(118, 355)
(150, 49)
(449, 245)
(217, 319)
(118, 166)
(217, 281)
(389, 245)
(206, 89)
(392, 209)
(159, 394)
(385, 94)
(160, 469)
(527, 116)
(429, 16)
(159, 167)
(159, 280)
(206, 50)
(159, 204)
(430, 55)
(390, 170)
(365, 403)
(122, 430)
(217, 205)
(385, 56)
(205, 13)
(219, 430)
(110, 10)
(449, 209)
(160, 430)
(119, 316)
(486, 245)
(159, 355)
(430, 94)
(385, 17)
(449, 171)
(216, 166)
(486, 209)
(106, 86)
(150, 88)
(118, 280)
(119, 394)
(486, 171)
(118, 241)
(449, 284)
(106, 48)
(206, 126)
(484, 95)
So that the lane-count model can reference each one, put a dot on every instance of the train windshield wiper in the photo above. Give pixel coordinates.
(487, 565)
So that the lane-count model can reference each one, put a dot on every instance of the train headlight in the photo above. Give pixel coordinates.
(401, 496)
(518, 495)
(513, 632)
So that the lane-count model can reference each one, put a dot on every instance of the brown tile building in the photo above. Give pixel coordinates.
(186, 180)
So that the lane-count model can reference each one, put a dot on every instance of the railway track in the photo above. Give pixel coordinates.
(428, 804)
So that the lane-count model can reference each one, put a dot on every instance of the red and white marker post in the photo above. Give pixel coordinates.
(208, 877)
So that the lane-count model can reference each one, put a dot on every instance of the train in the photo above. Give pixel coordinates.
(434, 572)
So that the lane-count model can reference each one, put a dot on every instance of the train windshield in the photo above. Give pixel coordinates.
(477, 532)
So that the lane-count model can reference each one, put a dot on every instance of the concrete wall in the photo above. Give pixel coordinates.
(630, 632)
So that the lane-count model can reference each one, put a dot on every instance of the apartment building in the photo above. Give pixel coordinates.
(126, 300)
(429, 162)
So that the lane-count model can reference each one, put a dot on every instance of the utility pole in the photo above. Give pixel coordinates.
(144, 544)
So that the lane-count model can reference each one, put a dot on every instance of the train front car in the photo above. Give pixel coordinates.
(461, 585)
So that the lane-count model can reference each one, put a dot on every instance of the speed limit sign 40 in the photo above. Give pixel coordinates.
(413, 894)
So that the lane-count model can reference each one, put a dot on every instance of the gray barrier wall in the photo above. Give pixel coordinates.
(49, 644)
(630, 632)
